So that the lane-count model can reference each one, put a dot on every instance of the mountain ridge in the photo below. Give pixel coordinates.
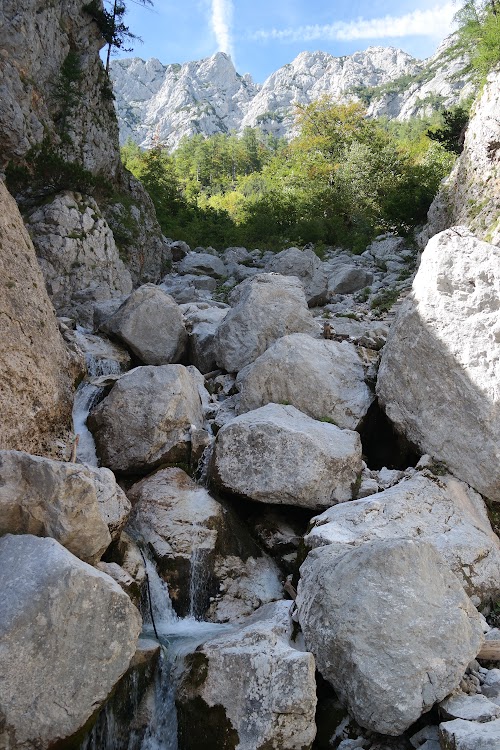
(157, 102)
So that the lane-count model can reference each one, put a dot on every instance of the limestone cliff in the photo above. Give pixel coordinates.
(35, 385)
(471, 194)
(59, 131)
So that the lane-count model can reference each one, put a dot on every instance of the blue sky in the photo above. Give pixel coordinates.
(263, 35)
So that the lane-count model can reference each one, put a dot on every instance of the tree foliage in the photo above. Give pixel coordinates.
(479, 34)
(343, 180)
(111, 25)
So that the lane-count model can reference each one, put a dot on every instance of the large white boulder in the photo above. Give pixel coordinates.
(150, 323)
(390, 626)
(211, 564)
(250, 688)
(278, 455)
(324, 379)
(440, 370)
(307, 267)
(441, 510)
(82, 507)
(146, 419)
(264, 308)
(67, 635)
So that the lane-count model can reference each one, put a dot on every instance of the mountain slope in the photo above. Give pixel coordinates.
(167, 102)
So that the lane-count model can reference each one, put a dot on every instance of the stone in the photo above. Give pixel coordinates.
(202, 264)
(386, 248)
(264, 308)
(179, 250)
(438, 378)
(390, 627)
(150, 323)
(212, 566)
(441, 510)
(272, 707)
(469, 707)
(123, 579)
(470, 735)
(146, 418)
(307, 267)
(324, 379)
(76, 251)
(278, 455)
(203, 326)
(36, 386)
(349, 279)
(43, 497)
(104, 310)
(114, 505)
(67, 635)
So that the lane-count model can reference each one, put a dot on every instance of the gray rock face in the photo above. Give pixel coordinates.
(67, 634)
(264, 309)
(324, 379)
(61, 500)
(211, 565)
(307, 267)
(77, 255)
(272, 707)
(35, 371)
(279, 455)
(440, 510)
(202, 264)
(438, 378)
(390, 627)
(150, 323)
(470, 735)
(145, 420)
(470, 195)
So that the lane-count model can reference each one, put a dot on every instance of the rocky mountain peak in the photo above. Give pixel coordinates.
(209, 95)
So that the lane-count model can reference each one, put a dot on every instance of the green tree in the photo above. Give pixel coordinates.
(111, 25)
(479, 33)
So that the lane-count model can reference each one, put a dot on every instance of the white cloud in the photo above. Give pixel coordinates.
(437, 22)
(220, 19)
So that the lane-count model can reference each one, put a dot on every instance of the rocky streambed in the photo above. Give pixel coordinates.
(276, 531)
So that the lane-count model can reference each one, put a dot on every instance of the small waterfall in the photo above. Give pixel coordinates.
(86, 397)
(179, 637)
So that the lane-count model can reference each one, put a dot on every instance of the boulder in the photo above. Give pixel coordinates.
(272, 707)
(278, 455)
(387, 247)
(440, 510)
(211, 564)
(469, 707)
(202, 264)
(470, 735)
(349, 279)
(307, 267)
(146, 418)
(203, 326)
(390, 626)
(150, 323)
(265, 308)
(179, 250)
(439, 374)
(77, 251)
(188, 288)
(35, 371)
(324, 379)
(67, 635)
(77, 505)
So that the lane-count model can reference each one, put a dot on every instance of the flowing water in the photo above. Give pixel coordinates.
(179, 637)
(86, 397)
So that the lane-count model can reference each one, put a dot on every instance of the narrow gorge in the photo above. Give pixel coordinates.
(249, 497)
